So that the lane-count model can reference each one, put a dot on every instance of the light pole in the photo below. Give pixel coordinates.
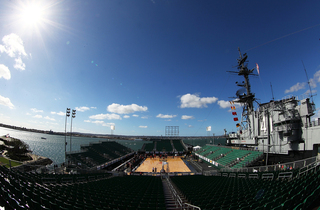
(65, 136)
(73, 116)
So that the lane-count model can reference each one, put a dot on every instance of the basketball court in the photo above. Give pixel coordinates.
(170, 164)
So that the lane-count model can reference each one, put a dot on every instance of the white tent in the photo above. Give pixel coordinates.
(196, 148)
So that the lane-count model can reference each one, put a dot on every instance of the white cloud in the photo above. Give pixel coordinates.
(38, 116)
(296, 87)
(190, 126)
(144, 117)
(135, 115)
(98, 122)
(36, 110)
(105, 116)
(166, 116)
(312, 91)
(59, 113)
(6, 102)
(143, 126)
(2, 49)
(49, 118)
(82, 108)
(13, 47)
(4, 72)
(19, 64)
(186, 117)
(126, 109)
(126, 116)
(168, 120)
(194, 101)
(108, 124)
(316, 76)
(93, 107)
(313, 83)
(28, 113)
(224, 104)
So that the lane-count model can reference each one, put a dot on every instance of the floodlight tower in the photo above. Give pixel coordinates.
(73, 116)
(65, 134)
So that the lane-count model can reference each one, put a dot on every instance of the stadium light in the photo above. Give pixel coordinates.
(73, 116)
(65, 134)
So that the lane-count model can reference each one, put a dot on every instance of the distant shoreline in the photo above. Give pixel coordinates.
(104, 136)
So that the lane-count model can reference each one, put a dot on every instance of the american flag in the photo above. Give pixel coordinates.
(257, 67)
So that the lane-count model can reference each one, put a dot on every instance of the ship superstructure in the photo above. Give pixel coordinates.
(277, 127)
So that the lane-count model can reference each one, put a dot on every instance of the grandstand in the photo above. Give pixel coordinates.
(230, 157)
(98, 154)
(229, 186)
(165, 146)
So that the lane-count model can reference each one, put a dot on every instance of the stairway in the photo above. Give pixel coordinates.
(171, 204)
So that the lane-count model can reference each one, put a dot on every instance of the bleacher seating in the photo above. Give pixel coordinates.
(149, 147)
(228, 156)
(280, 190)
(131, 192)
(219, 192)
(164, 145)
(98, 153)
(177, 145)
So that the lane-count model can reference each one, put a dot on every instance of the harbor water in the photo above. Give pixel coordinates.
(52, 146)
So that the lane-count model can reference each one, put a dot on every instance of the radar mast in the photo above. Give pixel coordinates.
(246, 98)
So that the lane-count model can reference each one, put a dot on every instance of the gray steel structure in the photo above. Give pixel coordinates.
(172, 131)
(278, 126)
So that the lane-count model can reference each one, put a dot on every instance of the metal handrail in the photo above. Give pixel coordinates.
(274, 167)
(175, 194)
(178, 199)
(311, 165)
(191, 206)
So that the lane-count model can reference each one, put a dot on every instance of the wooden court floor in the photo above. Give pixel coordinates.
(175, 165)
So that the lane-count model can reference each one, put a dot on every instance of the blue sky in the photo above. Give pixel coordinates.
(143, 65)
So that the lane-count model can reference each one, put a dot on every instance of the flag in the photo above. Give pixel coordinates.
(235, 119)
(238, 125)
(233, 107)
(257, 67)
(234, 113)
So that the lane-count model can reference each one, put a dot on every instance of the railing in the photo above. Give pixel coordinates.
(178, 199)
(196, 165)
(174, 193)
(309, 167)
(211, 173)
(277, 167)
(190, 206)
(233, 147)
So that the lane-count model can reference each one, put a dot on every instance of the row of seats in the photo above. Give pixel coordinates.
(98, 153)
(218, 192)
(149, 147)
(230, 157)
(178, 145)
(164, 145)
(20, 190)
(130, 192)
